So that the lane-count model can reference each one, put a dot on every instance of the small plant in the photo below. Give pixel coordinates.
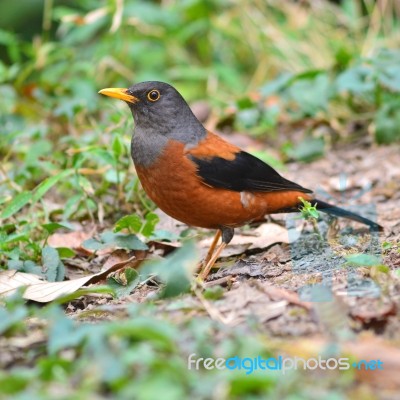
(310, 213)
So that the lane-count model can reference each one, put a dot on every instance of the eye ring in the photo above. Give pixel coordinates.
(153, 95)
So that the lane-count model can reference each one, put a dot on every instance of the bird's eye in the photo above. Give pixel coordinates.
(153, 95)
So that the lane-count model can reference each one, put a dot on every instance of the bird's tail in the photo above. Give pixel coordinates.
(341, 212)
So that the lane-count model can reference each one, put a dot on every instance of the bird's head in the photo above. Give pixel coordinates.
(159, 109)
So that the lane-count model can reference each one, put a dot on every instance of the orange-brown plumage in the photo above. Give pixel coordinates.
(213, 146)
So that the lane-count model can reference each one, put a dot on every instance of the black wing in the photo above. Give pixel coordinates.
(244, 173)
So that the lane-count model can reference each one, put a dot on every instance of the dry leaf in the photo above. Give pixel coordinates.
(262, 237)
(116, 257)
(43, 291)
(73, 240)
(246, 300)
(11, 280)
(381, 313)
(275, 293)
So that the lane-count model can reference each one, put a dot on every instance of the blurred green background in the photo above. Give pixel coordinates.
(220, 49)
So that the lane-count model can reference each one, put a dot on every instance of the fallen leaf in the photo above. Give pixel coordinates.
(246, 300)
(43, 291)
(116, 257)
(11, 280)
(72, 240)
(276, 293)
(251, 268)
(368, 316)
(262, 237)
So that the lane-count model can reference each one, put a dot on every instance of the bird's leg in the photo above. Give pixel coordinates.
(204, 273)
(227, 235)
(212, 247)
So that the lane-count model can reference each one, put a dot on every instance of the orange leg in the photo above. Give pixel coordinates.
(212, 247)
(211, 262)
(212, 255)
(210, 252)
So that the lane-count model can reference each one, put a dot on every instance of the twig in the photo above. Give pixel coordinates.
(211, 310)
(220, 281)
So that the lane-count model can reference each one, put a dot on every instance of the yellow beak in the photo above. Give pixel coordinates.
(119, 93)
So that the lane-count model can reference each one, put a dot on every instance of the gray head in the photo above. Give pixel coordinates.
(160, 114)
(159, 110)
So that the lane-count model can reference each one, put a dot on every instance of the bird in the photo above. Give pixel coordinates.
(200, 179)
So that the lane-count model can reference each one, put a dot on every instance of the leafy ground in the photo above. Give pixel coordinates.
(315, 93)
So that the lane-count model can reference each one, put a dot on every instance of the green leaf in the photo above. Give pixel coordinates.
(162, 234)
(117, 146)
(117, 240)
(54, 268)
(104, 155)
(8, 99)
(248, 117)
(93, 244)
(63, 331)
(9, 318)
(48, 183)
(149, 330)
(366, 260)
(65, 252)
(245, 103)
(310, 91)
(175, 271)
(307, 150)
(387, 245)
(51, 367)
(54, 226)
(152, 220)
(307, 210)
(214, 293)
(387, 123)
(15, 383)
(277, 84)
(128, 241)
(357, 80)
(382, 268)
(16, 204)
(27, 266)
(16, 237)
(86, 185)
(31, 268)
(390, 76)
(131, 222)
(37, 151)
